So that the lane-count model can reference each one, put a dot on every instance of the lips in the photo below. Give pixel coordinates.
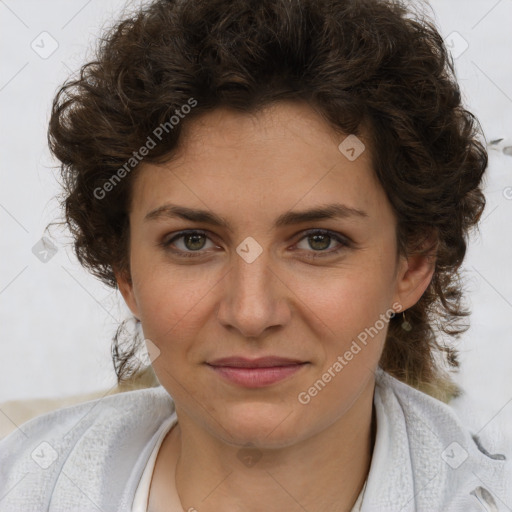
(261, 362)
(256, 373)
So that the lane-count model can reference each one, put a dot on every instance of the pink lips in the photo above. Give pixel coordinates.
(256, 373)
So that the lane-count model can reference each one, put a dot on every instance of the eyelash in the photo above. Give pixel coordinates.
(343, 241)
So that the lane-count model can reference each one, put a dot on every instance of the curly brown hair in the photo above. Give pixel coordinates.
(377, 63)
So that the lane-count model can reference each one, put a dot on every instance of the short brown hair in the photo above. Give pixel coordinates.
(371, 62)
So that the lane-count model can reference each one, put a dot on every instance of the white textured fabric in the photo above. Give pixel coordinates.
(425, 460)
(90, 457)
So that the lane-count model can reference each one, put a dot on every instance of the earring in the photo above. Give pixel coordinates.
(406, 326)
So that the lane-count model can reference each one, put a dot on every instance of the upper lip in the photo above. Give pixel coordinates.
(261, 362)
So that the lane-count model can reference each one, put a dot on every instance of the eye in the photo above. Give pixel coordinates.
(319, 240)
(193, 243)
(188, 243)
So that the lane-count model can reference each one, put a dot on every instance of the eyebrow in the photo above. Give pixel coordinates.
(329, 211)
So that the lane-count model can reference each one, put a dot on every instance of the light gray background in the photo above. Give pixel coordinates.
(57, 321)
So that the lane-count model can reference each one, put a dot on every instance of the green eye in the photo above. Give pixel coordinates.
(320, 240)
(194, 243)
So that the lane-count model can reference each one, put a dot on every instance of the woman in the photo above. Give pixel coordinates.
(281, 191)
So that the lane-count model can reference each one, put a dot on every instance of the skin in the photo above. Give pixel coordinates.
(250, 169)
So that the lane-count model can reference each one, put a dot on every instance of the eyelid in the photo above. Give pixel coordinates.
(333, 234)
(343, 240)
(167, 242)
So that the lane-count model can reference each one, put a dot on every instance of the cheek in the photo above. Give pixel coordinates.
(349, 296)
(349, 313)
(171, 300)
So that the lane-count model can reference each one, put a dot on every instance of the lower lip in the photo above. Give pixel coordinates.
(257, 377)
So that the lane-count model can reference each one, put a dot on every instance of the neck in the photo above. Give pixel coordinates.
(324, 473)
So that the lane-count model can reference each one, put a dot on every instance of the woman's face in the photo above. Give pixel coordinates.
(258, 279)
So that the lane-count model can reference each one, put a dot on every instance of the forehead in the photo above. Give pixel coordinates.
(269, 161)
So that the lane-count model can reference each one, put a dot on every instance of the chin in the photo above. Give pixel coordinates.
(261, 425)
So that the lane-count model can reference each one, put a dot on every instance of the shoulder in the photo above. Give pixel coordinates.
(88, 446)
(436, 417)
(450, 464)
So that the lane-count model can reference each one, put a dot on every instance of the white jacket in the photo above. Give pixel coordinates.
(90, 457)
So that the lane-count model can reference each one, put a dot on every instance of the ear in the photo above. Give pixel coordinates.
(415, 273)
(125, 285)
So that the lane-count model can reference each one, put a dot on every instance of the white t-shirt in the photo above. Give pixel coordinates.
(140, 502)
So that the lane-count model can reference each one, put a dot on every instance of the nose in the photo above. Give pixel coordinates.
(254, 299)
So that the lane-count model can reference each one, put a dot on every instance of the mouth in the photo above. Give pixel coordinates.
(256, 373)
